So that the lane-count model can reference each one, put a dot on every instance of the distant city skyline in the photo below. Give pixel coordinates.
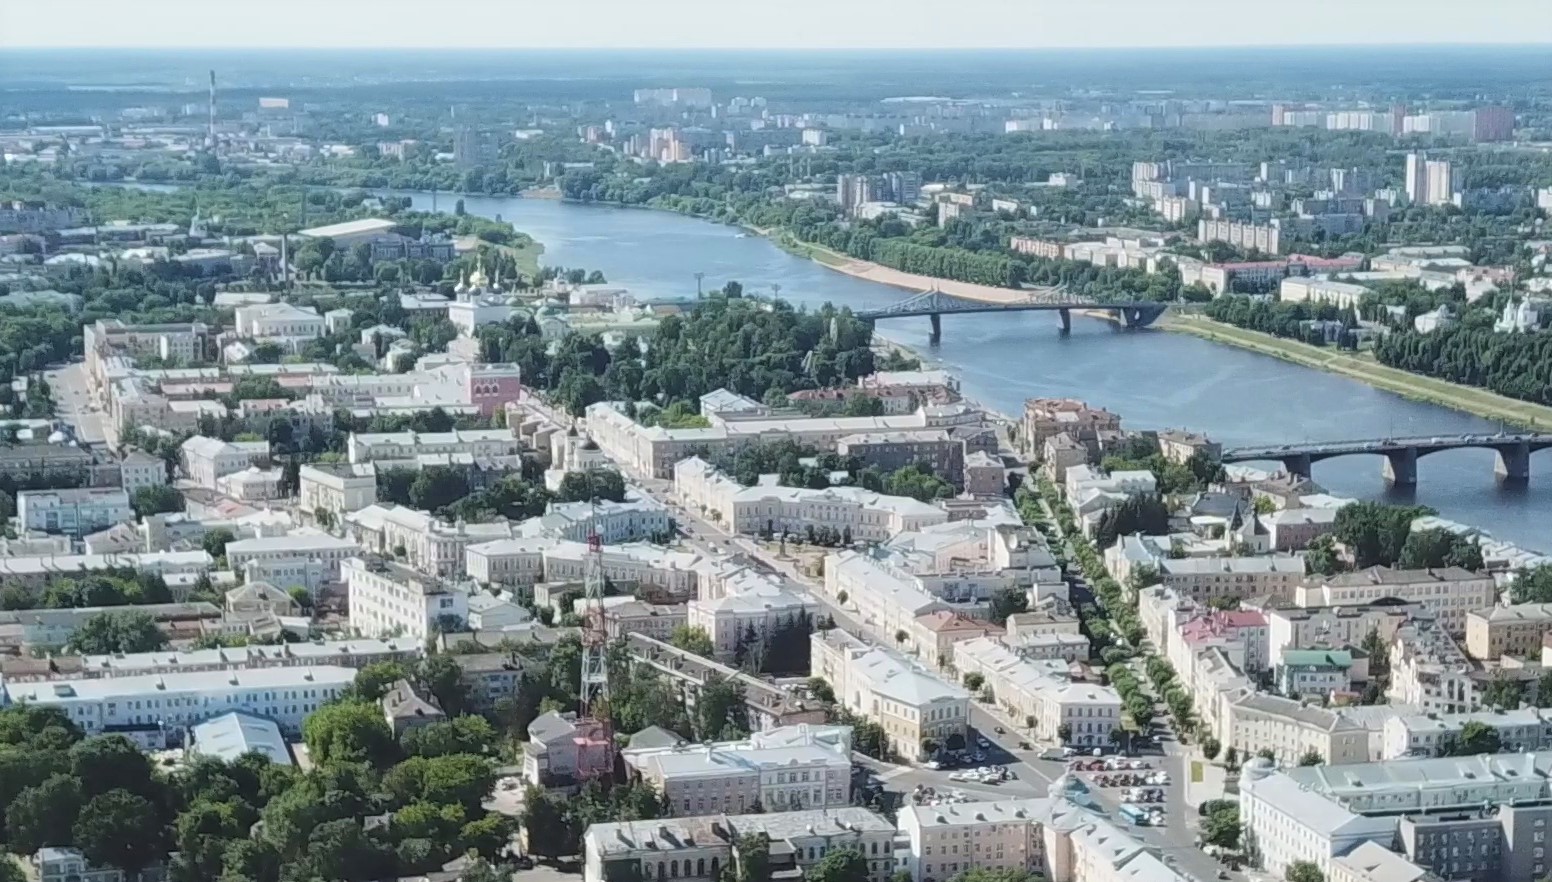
(794, 24)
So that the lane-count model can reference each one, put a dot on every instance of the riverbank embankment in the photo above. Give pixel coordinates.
(1364, 368)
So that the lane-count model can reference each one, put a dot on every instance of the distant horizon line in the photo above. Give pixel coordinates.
(1490, 44)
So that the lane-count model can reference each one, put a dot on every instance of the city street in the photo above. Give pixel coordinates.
(72, 401)
(1175, 841)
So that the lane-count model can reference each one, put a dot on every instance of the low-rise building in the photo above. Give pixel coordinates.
(1044, 692)
(339, 488)
(914, 708)
(1430, 811)
(1514, 630)
(935, 634)
(563, 750)
(1428, 670)
(297, 546)
(1414, 735)
(1448, 593)
(1291, 730)
(1314, 672)
(1293, 529)
(233, 735)
(152, 708)
(698, 849)
(852, 513)
(74, 512)
(1335, 627)
(1205, 579)
(389, 599)
(206, 459)
(737, 776)
(366, 447)
(769, 706)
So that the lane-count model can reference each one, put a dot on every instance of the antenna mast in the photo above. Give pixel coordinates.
(594, 692)
(210, 131)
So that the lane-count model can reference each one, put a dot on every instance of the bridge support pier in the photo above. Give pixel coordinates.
(1513, 462)
(1299, 465)
(1066, 315)
(937, 329)
(1400, 467)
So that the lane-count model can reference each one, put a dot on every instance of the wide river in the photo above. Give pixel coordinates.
(1154, 379)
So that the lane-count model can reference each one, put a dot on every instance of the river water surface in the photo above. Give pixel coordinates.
(1154, 379)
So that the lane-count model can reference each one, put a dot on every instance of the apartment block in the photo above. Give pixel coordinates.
(388, 599)
(697, 849)
(1448, 593)
(1051, 837)
(1334, 627)
(1516, 630)
(849, 511)
(735, 777)
(1205, 579)
(366, 447)
(913, 707)
(74, 512)
(1044, 692)
(301, 545)
(205, 460)
(338, 488)
(150, 708)
(1429, 811)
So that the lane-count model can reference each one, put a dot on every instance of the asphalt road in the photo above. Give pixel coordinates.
(72, 401)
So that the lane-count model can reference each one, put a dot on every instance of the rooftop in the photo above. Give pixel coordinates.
(350, 228)
(234, 734)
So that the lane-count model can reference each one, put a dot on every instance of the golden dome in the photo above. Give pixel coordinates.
(477, 279)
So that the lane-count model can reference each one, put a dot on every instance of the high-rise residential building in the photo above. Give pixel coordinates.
(853, 190)
(904, 186)
(1429, 181)
(1417, 178)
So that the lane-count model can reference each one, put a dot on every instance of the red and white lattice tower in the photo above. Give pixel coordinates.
(594, 691)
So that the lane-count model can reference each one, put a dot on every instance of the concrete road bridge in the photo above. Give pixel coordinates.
(1401, 454)
(935, 304)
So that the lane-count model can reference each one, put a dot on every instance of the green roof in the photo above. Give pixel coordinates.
(1330, 658)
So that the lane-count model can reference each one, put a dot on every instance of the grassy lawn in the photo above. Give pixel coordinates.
(1196, 772)
(1364, 368)
(525, 249)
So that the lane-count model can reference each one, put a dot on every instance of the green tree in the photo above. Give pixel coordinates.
(462, 734)
(119, 829)
(1210, 748)
(1006, 602)
(117, 631)
(215, 542)
(1310, 757)
(840, 865)
(442, 677)
(373, 681)
(544, 823)
(1503, 691)
(692, 639)
(720, 712)
(156, 499)
(112, 762)
(1304, 871)
(1474, 738)
(348, 731)
(598, 483)
(43, 814)
(754, 858)
(1222, 827)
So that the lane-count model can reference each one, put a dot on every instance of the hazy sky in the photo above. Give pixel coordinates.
(765, 24)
